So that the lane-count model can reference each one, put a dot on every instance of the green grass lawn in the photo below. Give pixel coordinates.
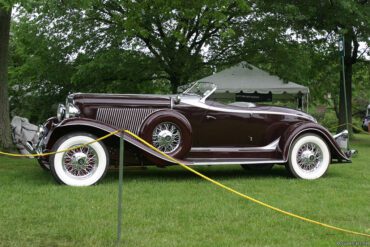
(172, 207)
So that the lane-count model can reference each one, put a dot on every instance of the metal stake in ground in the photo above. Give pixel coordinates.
(120, 188)
(342, 56)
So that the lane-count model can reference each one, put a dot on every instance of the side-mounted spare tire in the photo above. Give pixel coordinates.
(168, 131)
(82, 166)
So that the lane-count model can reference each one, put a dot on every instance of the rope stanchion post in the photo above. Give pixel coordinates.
(120, 187)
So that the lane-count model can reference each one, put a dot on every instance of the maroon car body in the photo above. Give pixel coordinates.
(188, 127)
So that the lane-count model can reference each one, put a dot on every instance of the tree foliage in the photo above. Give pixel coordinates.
(143, 46)
(174, 33)
(319, 24)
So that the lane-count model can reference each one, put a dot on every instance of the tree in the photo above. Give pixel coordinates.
(175, 33)
(5, 18)
(39, 71)
(320, 24)
(117, 71)
(42, 72)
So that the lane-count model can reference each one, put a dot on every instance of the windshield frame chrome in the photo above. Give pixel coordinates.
(205, 95)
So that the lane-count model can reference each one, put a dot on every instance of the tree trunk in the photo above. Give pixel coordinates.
(175, 83)
(348, 61)
(5, 138)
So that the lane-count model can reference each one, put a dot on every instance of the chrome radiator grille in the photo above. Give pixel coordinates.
(124, 118)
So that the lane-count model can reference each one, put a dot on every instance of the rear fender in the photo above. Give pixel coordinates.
(294, 131)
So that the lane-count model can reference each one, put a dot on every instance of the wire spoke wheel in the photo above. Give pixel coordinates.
(82, 165)
(309, 156)
(166, 137)
(80, 162)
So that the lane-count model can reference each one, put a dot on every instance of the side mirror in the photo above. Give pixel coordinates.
(177, 99)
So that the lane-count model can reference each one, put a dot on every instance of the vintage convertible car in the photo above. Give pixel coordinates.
(187, 126)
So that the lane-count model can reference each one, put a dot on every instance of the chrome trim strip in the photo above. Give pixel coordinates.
(272, 146)
(269, 147)
(163, 96)
(231, 162)
(194, 101)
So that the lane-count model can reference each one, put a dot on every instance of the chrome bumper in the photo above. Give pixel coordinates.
(36, 148)
(342, 140)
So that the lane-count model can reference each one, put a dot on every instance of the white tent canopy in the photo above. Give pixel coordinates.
(247, 78)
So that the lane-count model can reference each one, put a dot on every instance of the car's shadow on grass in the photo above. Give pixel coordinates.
(212, 172)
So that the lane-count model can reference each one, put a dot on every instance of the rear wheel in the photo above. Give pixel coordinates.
(82, 166)
(309, 157)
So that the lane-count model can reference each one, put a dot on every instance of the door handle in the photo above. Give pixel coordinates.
(209, 117)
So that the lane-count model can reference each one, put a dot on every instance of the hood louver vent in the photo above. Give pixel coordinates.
(124, 118)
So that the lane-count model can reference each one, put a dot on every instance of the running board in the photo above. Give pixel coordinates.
(211, 162)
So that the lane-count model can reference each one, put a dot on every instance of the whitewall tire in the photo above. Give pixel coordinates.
(309, 157)
(83, 166)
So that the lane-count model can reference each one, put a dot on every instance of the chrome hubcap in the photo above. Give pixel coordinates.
(309, 156)
(80, 162)
(166, 137)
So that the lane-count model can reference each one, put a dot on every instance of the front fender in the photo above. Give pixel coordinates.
(98, 129)
(300, 128)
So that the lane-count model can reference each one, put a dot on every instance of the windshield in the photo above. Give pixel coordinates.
(202, 89)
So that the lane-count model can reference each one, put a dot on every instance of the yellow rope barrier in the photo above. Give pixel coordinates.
(243, 195)
(61, 151)
(353, 126)
(204, 177)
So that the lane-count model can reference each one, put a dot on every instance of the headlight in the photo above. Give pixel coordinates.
(68, 111)
(61, 112)
(72, 110)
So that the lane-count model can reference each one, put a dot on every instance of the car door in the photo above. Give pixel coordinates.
(224, 126)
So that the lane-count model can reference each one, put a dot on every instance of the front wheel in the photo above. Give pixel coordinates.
(309, 157)
(82, 166)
